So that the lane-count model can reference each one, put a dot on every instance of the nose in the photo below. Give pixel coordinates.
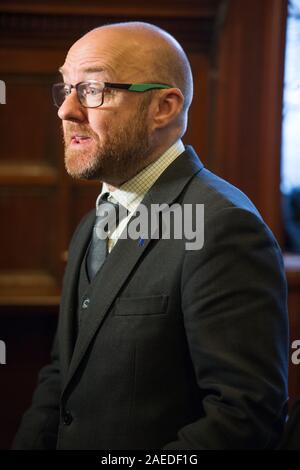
(71, 109)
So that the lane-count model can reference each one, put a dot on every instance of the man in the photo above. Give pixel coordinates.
(160, 346)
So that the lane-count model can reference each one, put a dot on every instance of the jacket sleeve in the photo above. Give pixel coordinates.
(236, 323)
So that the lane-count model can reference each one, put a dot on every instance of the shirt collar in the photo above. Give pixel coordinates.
(133, 191)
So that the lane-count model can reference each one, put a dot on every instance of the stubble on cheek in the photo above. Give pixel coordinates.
(79, 162)
(82, 160)
(114, 156)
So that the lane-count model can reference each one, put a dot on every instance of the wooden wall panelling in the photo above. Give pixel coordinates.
(248, 82)
(245, 138)
(34, 40)
(30, 179)
(169, 9)
(198, 128)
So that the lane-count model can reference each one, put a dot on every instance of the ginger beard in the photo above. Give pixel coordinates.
(118, 154)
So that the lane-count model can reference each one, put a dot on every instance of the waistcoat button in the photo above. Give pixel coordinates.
(85, 303)
(67, 418)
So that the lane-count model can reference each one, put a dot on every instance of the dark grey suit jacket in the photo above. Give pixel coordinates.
(179, 349)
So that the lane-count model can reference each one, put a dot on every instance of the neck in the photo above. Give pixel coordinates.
(155, 155)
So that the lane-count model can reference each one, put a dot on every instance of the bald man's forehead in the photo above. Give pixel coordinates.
(106, 54)
(130, 52)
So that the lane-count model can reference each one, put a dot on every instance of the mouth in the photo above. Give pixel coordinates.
(78, 139)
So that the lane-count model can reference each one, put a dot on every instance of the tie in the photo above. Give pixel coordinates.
(107, 218)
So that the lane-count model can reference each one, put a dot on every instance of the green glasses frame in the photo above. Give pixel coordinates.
(93, 90)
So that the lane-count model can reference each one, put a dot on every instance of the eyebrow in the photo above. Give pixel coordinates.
(92, 69)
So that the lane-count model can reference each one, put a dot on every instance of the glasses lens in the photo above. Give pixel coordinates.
(59, 93)
(90, 93)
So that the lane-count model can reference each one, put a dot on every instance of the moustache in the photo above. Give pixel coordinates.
(72, 130)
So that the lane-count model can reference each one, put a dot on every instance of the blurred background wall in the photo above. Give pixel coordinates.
(236, 49)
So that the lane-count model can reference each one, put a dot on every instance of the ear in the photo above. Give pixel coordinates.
(166, 107)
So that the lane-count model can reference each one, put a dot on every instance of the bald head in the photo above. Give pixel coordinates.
(142, 52)
(129, 128)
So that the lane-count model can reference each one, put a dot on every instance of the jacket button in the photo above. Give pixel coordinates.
(67, 418)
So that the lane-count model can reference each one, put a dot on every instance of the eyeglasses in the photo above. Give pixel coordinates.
(91, 92)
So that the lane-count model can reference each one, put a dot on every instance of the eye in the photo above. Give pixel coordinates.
(67, 90)
(92, 90)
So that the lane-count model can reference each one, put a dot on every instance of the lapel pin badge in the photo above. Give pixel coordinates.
(141, 241)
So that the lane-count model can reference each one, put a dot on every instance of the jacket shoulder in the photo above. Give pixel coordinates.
(217, 194)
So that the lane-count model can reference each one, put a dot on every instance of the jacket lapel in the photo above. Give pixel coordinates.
(123, 257)
(68, 305)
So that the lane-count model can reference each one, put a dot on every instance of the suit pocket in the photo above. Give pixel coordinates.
(152, 305)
